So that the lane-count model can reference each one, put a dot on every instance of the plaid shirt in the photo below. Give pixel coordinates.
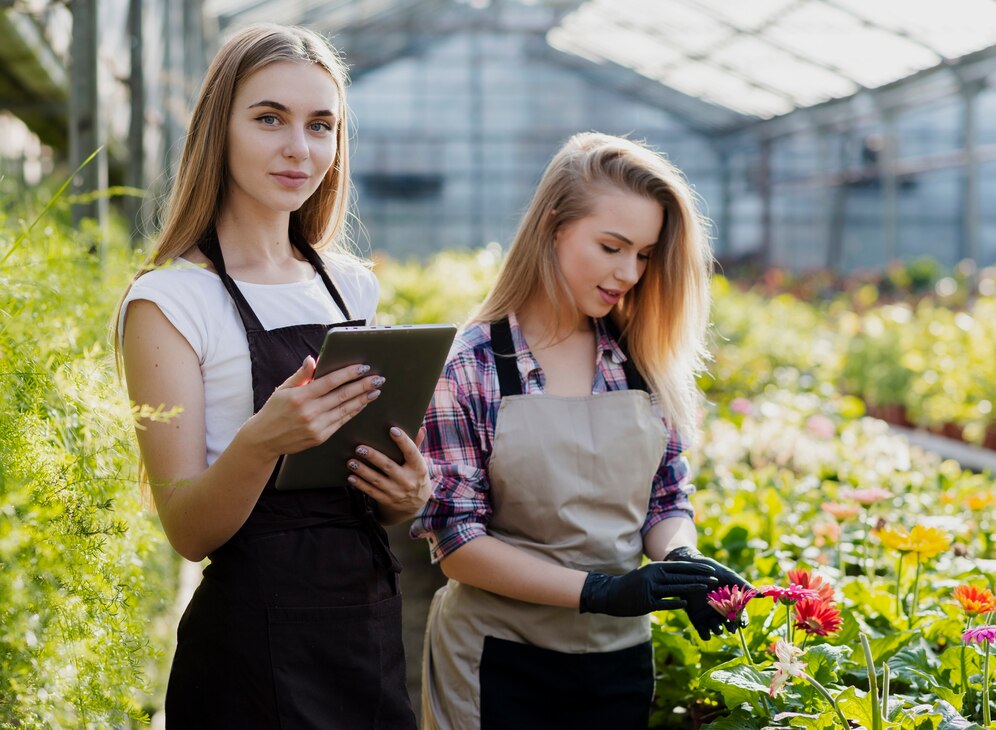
(460, 429)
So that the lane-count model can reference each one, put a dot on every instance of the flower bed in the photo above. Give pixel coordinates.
(889, 537)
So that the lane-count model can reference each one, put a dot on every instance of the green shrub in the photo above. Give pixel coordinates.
(85, 574)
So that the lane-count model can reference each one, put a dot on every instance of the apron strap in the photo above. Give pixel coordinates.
(634, 380)
(316, 260)
(505, 360)
(211, 249)
(508, 369)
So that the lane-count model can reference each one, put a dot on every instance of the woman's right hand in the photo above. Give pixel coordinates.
(656, 586)
(303, 413)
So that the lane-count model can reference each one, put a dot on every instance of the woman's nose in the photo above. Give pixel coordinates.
(297, 145)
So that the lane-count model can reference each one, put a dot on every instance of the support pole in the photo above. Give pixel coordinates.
(85, 134)
(136, 124)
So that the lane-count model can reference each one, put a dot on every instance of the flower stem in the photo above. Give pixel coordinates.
(885, 691)
(743, 645)
(986, 719)
(899, 583)
(915, 603)
(828, 697)
(872, 684)
(789, 634)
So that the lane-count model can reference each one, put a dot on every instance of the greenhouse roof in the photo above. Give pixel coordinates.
(747, 59)
(767, 57)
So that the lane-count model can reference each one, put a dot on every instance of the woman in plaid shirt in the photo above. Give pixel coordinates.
(554, 442)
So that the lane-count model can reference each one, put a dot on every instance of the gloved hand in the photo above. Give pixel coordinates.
(652, 587)
(705, 618)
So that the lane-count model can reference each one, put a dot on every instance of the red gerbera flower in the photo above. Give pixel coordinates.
(817, 617)
(816, 582)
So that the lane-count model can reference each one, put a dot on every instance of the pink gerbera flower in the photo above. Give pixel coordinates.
(980, 634)
(730, 600)
(790, 595)
(867, 496)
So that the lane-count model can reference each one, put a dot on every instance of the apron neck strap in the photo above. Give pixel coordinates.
(634, 380)
(211, 248)
(315, 260)
(505, 360)
(508, 369)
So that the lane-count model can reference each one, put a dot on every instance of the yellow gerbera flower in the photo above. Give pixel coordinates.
(894, 538)
(928, 541)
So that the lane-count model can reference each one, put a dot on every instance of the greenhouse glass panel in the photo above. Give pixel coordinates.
(951, 29)
(987, 213)
(782, 72)
(930, 215)
(869, 56)
(931, 130)
(985, 117)
(863, 234)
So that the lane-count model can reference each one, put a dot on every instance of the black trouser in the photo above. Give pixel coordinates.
(525, 687)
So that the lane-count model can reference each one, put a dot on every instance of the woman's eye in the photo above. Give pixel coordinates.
(268, 119)
(643, 256)
(320, 127)
(609, 249)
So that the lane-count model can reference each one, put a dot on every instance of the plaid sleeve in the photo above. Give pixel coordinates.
(671, 486)
(457, 447)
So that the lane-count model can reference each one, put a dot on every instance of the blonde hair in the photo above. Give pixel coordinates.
(201, 181)
(664, 318)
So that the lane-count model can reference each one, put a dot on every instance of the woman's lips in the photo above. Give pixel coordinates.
(609, 296)
(290, 179)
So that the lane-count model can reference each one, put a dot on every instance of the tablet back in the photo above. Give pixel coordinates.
(411, 358)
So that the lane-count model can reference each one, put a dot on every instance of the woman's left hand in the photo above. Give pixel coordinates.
(399, 489)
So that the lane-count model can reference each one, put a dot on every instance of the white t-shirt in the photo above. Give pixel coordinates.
(195, 301)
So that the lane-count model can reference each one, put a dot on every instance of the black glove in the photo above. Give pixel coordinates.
(651, 587)
(705, 618)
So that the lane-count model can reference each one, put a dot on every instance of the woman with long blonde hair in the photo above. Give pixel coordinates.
(554, 442)
(297, 620)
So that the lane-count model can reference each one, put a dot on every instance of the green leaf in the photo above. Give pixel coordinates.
(737, 720)
(916, 665)
(856, 705)
(736, 681)
(824, 661)
(942, 716)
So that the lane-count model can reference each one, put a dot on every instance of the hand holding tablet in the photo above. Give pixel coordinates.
(411, 358)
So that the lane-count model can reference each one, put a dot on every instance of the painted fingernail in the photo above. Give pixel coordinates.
(354, 465)
(373, 394)
(395, 431)
(378, 381)
(362, 369)
(351, 479)
(362, 451)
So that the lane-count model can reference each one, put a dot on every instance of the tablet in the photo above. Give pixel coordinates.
(411, 358)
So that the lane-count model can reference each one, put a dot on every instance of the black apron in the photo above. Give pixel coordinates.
(297, 620)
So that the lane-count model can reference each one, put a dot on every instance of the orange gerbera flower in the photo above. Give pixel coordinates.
(980, 500)
(811, 580)
(817, 618)
(975, 600)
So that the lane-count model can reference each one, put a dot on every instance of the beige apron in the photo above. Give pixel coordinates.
(570, 484)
